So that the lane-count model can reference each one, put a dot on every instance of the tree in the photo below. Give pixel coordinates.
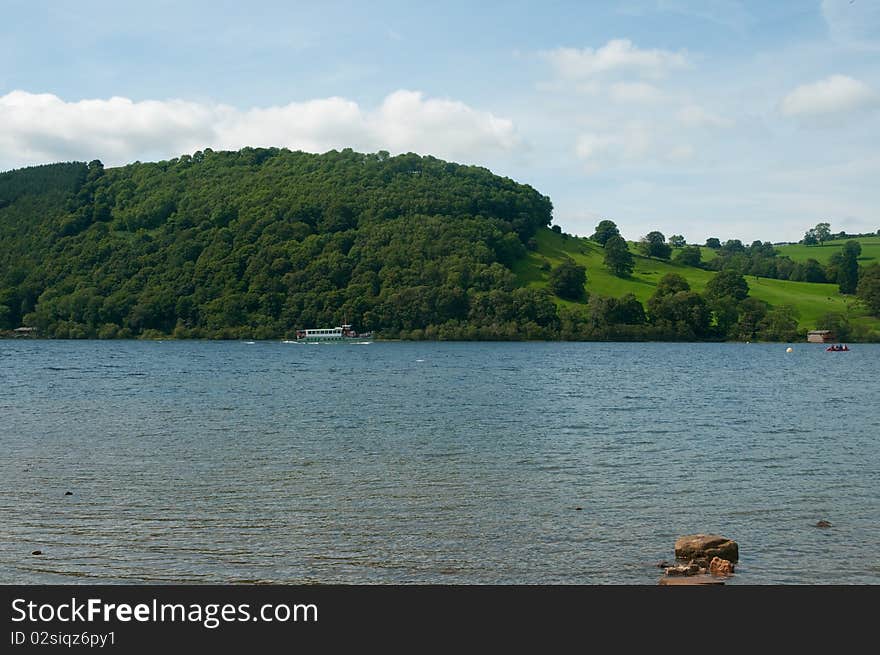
(822, 232)
(604, 231)
(854, 246)
(751, 312)
(833, 266)
(653, 244)
(724, 293)
(684, 314)
(868, 289)
(618, 258)
(733, 247)
(689, 256)
(677, 241)
(837, 323)
(713, 242)
(727, 284)
(811, 271)
(726, 314)
(779, 324)
(568, 279)
(810, 238)
(671, 283)
(848, 273)
(606, 312)
(677, 310)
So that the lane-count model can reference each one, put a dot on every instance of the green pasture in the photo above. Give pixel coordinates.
(801, 253)
(810, 300)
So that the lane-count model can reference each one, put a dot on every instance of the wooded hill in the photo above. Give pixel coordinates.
(260, 242)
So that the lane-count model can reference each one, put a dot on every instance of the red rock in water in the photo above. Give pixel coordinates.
(720, 566)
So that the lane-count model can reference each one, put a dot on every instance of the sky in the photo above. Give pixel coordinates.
(713, 118)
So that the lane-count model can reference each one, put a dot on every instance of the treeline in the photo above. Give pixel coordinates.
(675, 312)
(761, 259)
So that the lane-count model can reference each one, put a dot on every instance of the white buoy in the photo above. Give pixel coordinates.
(789, 349)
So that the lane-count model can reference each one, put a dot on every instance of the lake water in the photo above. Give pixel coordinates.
(447, 463)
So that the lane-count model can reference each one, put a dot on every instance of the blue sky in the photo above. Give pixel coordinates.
(749, 120)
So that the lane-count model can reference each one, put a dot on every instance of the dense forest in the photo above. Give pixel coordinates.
(261, 242)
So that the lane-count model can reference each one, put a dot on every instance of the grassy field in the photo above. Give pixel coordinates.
(810, 300)
(800, 253)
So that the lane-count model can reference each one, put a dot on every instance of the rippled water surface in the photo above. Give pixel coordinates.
(434, 462)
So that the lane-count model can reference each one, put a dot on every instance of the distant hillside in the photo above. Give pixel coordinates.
(811, 301)
(822, 253)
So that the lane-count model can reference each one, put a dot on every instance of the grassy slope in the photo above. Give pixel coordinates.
(810, 300)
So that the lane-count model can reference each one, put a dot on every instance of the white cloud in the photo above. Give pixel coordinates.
(314, 125)
(635, 93)
(697, 116)
(835, 94)
(618, 55)
(407, 121)
(634, 144)
(41, 127)
(37, 128)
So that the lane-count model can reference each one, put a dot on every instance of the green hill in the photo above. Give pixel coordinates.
(261, 242)
(811, 301)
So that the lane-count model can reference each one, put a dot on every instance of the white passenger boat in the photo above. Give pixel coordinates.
(342, 333)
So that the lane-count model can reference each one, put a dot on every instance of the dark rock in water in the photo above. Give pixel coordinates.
(663, 565)
(578, 509)
(823, 524)
(704, 547)
(68, 493)
(37, 552)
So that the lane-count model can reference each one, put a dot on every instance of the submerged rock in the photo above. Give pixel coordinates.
(823, 524)
(37, 552)
(705, 547)
(720, 567)
(68, 493)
